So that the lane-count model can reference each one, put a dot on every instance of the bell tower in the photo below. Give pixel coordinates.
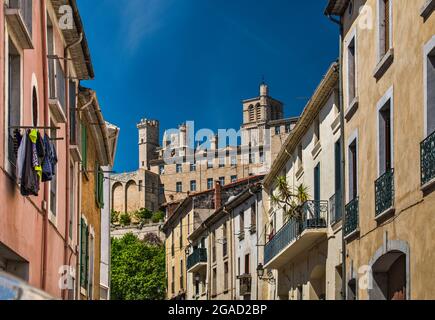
(148, 142)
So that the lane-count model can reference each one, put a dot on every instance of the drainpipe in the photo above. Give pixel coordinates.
(47, 121)
(343, 157)
(67, 143)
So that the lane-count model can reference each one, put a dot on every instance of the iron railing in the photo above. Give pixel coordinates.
(427, 158)
(352, 217)
(198, 256)
(384, 192)
(335, 206)
(313, 215)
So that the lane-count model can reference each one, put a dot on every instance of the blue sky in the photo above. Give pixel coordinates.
(182, 60)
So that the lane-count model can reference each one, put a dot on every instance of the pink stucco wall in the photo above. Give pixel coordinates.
(22, 218)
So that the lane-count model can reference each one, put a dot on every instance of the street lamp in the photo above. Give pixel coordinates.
(260, 273)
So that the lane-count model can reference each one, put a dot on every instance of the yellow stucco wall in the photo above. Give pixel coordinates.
(413, 222)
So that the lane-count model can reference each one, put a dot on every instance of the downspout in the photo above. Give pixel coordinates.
(343, 156)
(67, 143)
(47, 121)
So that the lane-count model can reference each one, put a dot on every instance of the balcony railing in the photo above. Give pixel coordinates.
(314, 215)
(198, 256)
(352, 217)
(335, 206)
(427, 158)
(384, 192)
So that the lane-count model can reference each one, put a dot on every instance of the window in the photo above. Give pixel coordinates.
(242, 223)
(84, 147)
(238, 267)
(222, 181)
(233, 179)
(353, 170)
(192, 167)
(72, 206)
(288, 128)
(251, 157)
(351, 71)
(317, 183)
(210, 183)
(258, 112)
(179, 168)
(161, 169)
(84, 254)
(224, 240)
(253, 215)
(277, 130)
(173, 283)
(226, 276)
(34, 107)
(193, 185)
(214, 283)
(140, 185)
(300, 155)
(53, 182)
(26, 9)
(181, 275)
(316, 130)
(99, 186)
(234, 160)
(429, 65)
(181, 235)
(247, 264)
(72, 113)
(261, 155)
(14, 99)
(384, 27)
(161, 189)
(221, 162)
(385, 143)
(251, 114)
(213, 246)
(209, 164)
(173, 244)
(179, 187)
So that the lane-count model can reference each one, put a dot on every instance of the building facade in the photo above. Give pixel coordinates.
(303, 247)
(388, 50)
(169, 172)
(41, 64)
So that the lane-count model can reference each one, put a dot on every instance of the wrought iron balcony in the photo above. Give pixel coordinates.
(335, 206)
(313, 216)
(196, 259)
(384, 192)
(352, 217)
(427, 158)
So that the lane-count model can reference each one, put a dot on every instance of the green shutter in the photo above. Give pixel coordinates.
(87, 256)
(84, 147)
(82, 253)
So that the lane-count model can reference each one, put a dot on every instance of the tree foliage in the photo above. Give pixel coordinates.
(289, 198)
(138, 269)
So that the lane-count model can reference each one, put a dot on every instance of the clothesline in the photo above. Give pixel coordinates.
(38, 128)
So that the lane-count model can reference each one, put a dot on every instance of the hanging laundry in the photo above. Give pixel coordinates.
(20, 158)
(17, 140)
(50, 160)
(38, 152)
(29, 176)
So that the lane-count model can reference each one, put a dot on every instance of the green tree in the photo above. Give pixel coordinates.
(138, 270)
(157, 217)
(125, 219)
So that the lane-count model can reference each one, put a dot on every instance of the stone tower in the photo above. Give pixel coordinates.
(148, 142)
(262, 108)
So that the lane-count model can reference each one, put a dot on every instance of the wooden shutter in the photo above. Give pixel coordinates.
(82, 254)
(72, 112)
(87, 256)
(84, 147)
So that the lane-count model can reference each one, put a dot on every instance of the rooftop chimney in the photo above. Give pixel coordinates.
(218, 195)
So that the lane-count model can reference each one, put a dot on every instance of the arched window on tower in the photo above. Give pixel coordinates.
(258, 112)
(251, 113)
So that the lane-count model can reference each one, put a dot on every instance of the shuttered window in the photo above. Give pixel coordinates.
(99, 185)
(387, 25)
(84, 147)
(84, 247)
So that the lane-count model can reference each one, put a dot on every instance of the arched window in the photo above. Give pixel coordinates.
(251, 113)
(258, 111)
(35, 107)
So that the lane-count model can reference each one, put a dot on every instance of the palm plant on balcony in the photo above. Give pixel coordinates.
(289, 198)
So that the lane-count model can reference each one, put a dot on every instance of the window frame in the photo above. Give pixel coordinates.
(388, 97)
(353, 139)
(429, 48)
